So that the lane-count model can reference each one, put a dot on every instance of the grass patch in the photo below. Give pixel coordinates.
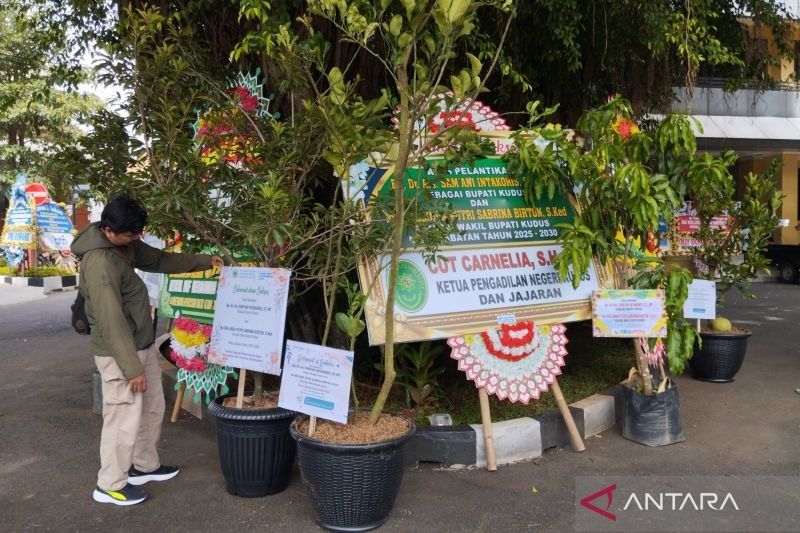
(592, 365)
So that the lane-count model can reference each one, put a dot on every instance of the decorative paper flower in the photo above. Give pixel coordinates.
(625, 127)
(654, 355)
(520, 379)
(447, 119)
(512, 342)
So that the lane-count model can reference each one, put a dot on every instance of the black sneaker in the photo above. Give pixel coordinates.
(162, 473)
(127, 495)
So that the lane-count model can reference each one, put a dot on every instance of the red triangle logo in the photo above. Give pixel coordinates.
(608, 492)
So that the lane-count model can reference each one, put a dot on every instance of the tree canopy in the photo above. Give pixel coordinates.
(39, 116)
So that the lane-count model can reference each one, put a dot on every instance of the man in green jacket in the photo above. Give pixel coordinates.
(122, 336)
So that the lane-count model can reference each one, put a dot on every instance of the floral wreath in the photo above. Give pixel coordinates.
(517, 363)
(216, 131)
(189, 351)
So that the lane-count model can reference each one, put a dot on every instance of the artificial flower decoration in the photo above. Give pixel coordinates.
(511, 342)
(516, 362)
(223, 134)
(625, 127)
(654, 354)
(458, 118)
(189, 343)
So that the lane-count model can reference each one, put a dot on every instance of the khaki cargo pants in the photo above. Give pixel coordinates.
(131, 421)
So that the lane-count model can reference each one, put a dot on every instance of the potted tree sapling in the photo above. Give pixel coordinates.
(623, 180)
(353, 483)
(731, 253)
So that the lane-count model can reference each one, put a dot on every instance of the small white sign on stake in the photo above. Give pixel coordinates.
(702, 300)
(316, 381)
(249, 318)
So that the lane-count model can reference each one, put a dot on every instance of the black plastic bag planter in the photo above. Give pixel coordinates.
(352, 487)
(652, 420)
(720, 357)
(256, 451)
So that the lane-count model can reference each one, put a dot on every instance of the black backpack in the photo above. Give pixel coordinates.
(80, 323)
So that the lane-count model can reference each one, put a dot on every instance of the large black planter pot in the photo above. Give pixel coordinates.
(256, 452)
(353, 487)
(720, 357)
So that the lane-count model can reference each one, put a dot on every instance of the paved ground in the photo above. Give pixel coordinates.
(17, 294)
(49, 437)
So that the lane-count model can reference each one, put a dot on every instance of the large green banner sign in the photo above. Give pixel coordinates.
(497, 266)
(490, 205)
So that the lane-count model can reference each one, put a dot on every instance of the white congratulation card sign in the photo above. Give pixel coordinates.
(702, 300)
(249, 318)
(316, 381)
(629, 313)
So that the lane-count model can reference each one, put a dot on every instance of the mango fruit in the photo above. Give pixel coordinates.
(721, 324)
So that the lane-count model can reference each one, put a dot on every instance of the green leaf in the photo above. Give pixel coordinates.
(396, 25)
(475, 63)
(458, 9)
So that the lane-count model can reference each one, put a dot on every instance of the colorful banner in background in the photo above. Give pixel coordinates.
(54, 227)
(629, 313)
(33, 220)
(499, 262)
(19, 229)
(685, 224)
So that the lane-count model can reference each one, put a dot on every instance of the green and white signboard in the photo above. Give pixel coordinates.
(193, 295)
(499, 265)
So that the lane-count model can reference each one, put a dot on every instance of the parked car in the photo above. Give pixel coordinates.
(786, 258)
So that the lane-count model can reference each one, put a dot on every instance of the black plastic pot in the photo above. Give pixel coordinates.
(652, 420)
(256, 452)
(353, 487)
(720, 357)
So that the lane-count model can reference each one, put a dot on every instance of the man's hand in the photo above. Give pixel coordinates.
(217, 261)
(138, 384)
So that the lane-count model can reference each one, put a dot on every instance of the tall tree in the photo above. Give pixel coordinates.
(39, 117)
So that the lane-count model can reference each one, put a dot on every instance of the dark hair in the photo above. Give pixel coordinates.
(123, 214)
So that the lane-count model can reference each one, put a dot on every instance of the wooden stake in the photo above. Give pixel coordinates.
(488, 436)
(240, 393)
(698, 325)
(178, 401)
(312, 426)
(574, 436)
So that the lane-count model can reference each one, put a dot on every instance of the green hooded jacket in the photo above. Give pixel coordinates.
(117, 304)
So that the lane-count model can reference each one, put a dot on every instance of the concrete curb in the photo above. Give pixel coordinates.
(47, 282)
(463, 446)
(515, 440)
